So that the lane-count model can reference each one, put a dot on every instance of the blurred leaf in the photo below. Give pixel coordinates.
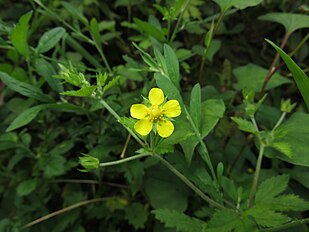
(300, 77)
(241, 4)
(150, 30)
(290, 21)
(288, 202)
(179, 221)
(196, 105)
(271, 187)
(94, 28)
(252, 76)
(19, 35)
(49, 39)
(26, 187)
(47, 71)
(25, 117)
(24, 88)
(53, 165)
(75, 12)
(136, 215)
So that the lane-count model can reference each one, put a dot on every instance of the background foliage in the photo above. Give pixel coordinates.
(64, 63)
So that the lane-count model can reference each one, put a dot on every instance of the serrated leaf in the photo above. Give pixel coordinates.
(179, 221)
(267, 217)
(136, 215)
(172, 64)
(25, 117)
(288, 202)
(224, 221)
(24, 88)
(49, 39)
(196, 105)
(111, 83)
(26, 187)
(83, 92)
(270, 188)
(284, 148)
(245, 125)
(290, 21)
(301, 79)
(19, 35)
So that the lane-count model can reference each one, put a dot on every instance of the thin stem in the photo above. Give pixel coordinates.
(104, 103)
(272, 68)
(279, 121)
(203, 146)
(287, 225)
(256, 175)
(123, 160)
(61, 211)
(254, 123)
(301, 43)
(103, 57)
(189, 183)
(178, 21)
(123, 152)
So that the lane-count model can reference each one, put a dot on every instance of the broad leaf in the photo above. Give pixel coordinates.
(26, 187)
(288, 202)
(19, 35)
(271, 187)
(136, 215)
(179, 221)
(241, 4)
(252, 76)
(49, 39)
(290, 21)
(295, 132)
(301, 79)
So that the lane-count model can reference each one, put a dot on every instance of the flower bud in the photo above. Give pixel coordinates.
(89, 162)
(287, 106)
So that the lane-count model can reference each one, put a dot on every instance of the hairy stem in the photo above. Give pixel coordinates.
(123, 160)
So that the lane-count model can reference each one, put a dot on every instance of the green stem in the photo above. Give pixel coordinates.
(110, 109)
(189, 183)
(301, 43)
(256, 175)
(123, 160)
(103, 57)
(287, 225)
(203, 146)
(279, 121)
(178, 21)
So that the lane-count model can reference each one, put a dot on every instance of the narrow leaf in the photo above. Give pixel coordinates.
(49, 39)
(196, 105)
(172, 64)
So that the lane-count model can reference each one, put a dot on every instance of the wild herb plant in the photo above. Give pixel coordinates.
(154, 115)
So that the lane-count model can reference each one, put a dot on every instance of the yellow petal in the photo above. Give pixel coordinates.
(172, 108)
(165, 128)
(143, 126)
(138, 111)
(156, 96)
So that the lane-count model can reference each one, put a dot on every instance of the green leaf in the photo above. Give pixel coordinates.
(53, 165)
(301, 79)
(26, 187)
(19, 35)
(150, 30)
(212, 111)
(25, 117)
(196, 105)
(270, 188)
(245, 125)
(83, 92)
(252, 77)
(94, 28)
(295, 132)
(75, 12)
(267, 217)
(290, 21)
(49, 39)
(172, 64)
(24, 88)
(241, 4)
(179, 221)
(136, 215)
(284, 148)
(47, 71)
(209, 35)
(288, 202)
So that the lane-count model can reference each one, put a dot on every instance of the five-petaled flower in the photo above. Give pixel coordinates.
(157, 114)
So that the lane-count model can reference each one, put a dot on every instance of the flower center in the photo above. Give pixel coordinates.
(155, 112)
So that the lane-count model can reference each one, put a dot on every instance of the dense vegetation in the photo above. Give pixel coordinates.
(134, 115)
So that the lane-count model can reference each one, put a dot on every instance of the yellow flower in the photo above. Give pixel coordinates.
(158, 114)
